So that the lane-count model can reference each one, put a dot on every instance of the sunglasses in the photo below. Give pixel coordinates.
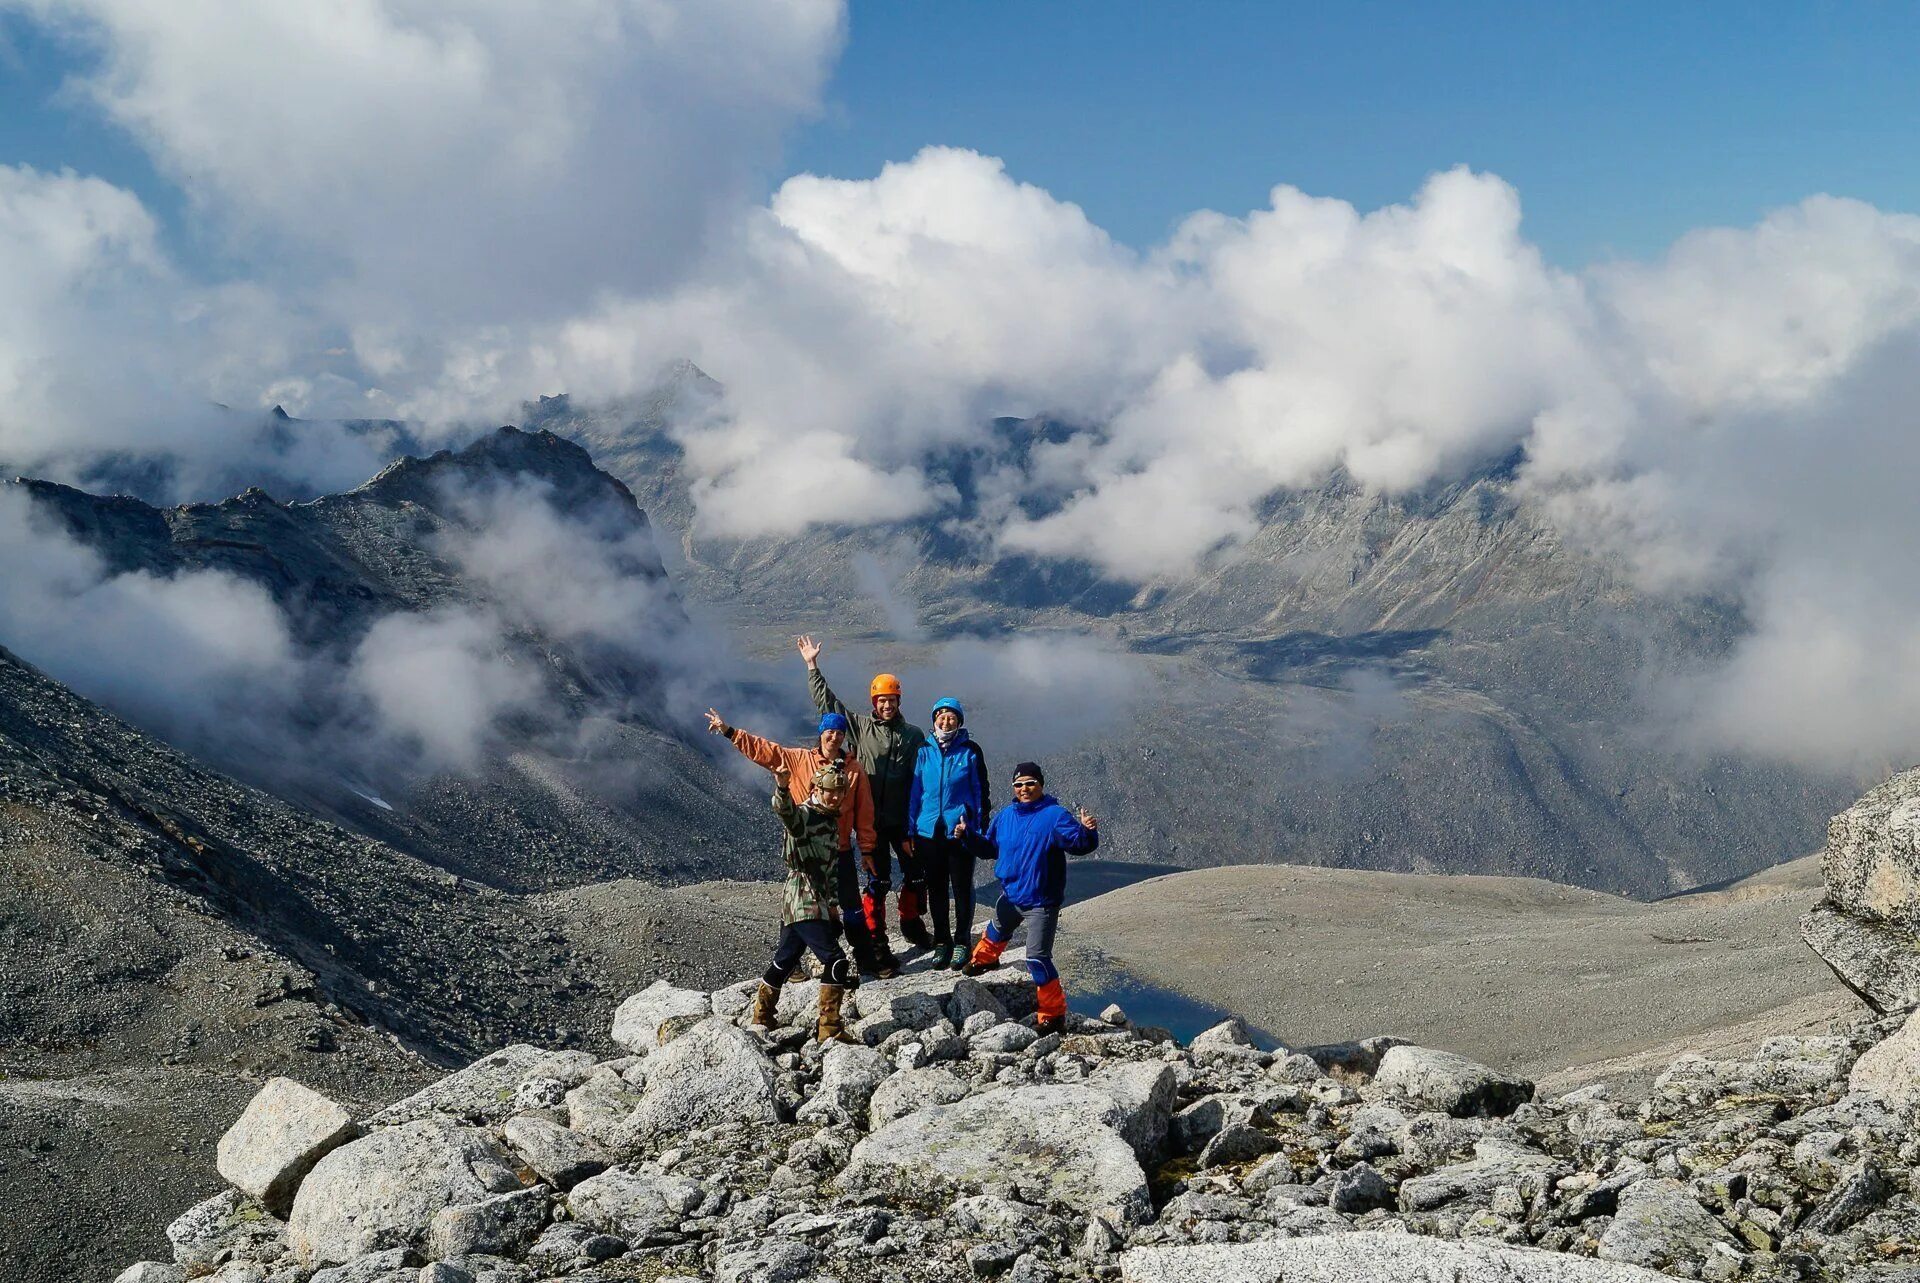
(1026, 784)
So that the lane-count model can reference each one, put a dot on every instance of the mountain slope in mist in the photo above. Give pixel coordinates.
(469, 657)
(1432, 682)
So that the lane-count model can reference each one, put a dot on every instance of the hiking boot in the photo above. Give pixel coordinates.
(765, 1001)
(985, 956)
(869, 963)
(831, 1030)
(942, 956)
(1053, 1008)
(913, 926)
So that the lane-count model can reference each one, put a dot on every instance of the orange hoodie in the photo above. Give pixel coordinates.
(856, 813)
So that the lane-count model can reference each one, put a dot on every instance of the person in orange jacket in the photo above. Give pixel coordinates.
(889, 748)
(856, 817)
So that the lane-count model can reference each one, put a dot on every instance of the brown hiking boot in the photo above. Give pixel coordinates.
(831, 1030)
(765, 1001)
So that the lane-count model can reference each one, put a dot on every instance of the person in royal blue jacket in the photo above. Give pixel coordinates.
(948, 797)
(1032, 839)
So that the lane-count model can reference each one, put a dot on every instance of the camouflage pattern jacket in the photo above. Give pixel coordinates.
(813, 840)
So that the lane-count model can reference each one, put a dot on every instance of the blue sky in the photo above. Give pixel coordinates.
(1622, 125)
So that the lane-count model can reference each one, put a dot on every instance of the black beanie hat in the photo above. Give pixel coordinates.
(1030, 768)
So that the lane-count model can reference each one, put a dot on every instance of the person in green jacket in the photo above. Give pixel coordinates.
(809, 916)
(888, 747)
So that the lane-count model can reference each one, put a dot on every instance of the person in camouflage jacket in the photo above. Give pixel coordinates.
(888, 747)
(810, 916)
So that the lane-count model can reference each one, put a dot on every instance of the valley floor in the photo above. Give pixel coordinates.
(1560, 983)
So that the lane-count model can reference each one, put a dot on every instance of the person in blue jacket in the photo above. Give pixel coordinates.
(948, 797)
(1032, 839)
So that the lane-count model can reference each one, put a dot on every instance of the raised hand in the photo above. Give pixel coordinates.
(809, 649)
(716, 724)
(1087, 820)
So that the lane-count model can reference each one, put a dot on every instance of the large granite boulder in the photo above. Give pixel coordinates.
(228, 1226)
(492, 1089)
(714, 1073)
(637, 1021)
(1865, 928)
(285, 1129)
(1872, 857)
(1369, 1258)
(1448, 1084)
(1054, 1145)
(381, 1191)
(1890, 1071)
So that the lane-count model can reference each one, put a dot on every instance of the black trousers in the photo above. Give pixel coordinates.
(948, 865)
(822, 938)
(893, 846)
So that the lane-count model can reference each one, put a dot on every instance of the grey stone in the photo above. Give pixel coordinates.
(564, 1243)
(1871, 860)
(503, 1225)
(1145, 1092)
(1351, 1062)
(1448, 1084)
(1358, 1189)
(599, 1108)
(913, 1090)
(1237, 1143)
(849, 1075)
(285, 1129)
(228, 1224)
(970, 998)
(1495, 1163)
(1003, 1039)
(714, 1073)
(380, 1191)
(1861, 1188)
(445, 1272)
(637, 1021)
(1050, 1142)
(1368, 1257)
(1659, 1225)
(731, 1003)
(641, 1207)
(150, 1272)
(486, 1091)
(1879, 962)
(1890, 1071)
(1230, 1036)
(388, 1266)
(558, 1155)
(773, 1260)
(799, 1004)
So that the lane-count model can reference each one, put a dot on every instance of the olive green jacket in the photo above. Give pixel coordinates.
(813, 842)
(887, 751)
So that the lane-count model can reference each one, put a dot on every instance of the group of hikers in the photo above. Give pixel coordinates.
(876, 783)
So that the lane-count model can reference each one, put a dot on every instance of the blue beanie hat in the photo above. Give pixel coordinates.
(953, 704)
(833, 722)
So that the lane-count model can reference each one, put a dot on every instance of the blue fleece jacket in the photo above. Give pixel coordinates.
(1032, 841)
(949, 784)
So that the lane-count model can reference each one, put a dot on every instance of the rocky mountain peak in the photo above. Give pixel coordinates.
(508, 453)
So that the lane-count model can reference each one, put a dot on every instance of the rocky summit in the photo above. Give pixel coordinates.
(951, 1141)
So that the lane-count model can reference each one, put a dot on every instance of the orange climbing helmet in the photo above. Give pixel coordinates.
(884, 684)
